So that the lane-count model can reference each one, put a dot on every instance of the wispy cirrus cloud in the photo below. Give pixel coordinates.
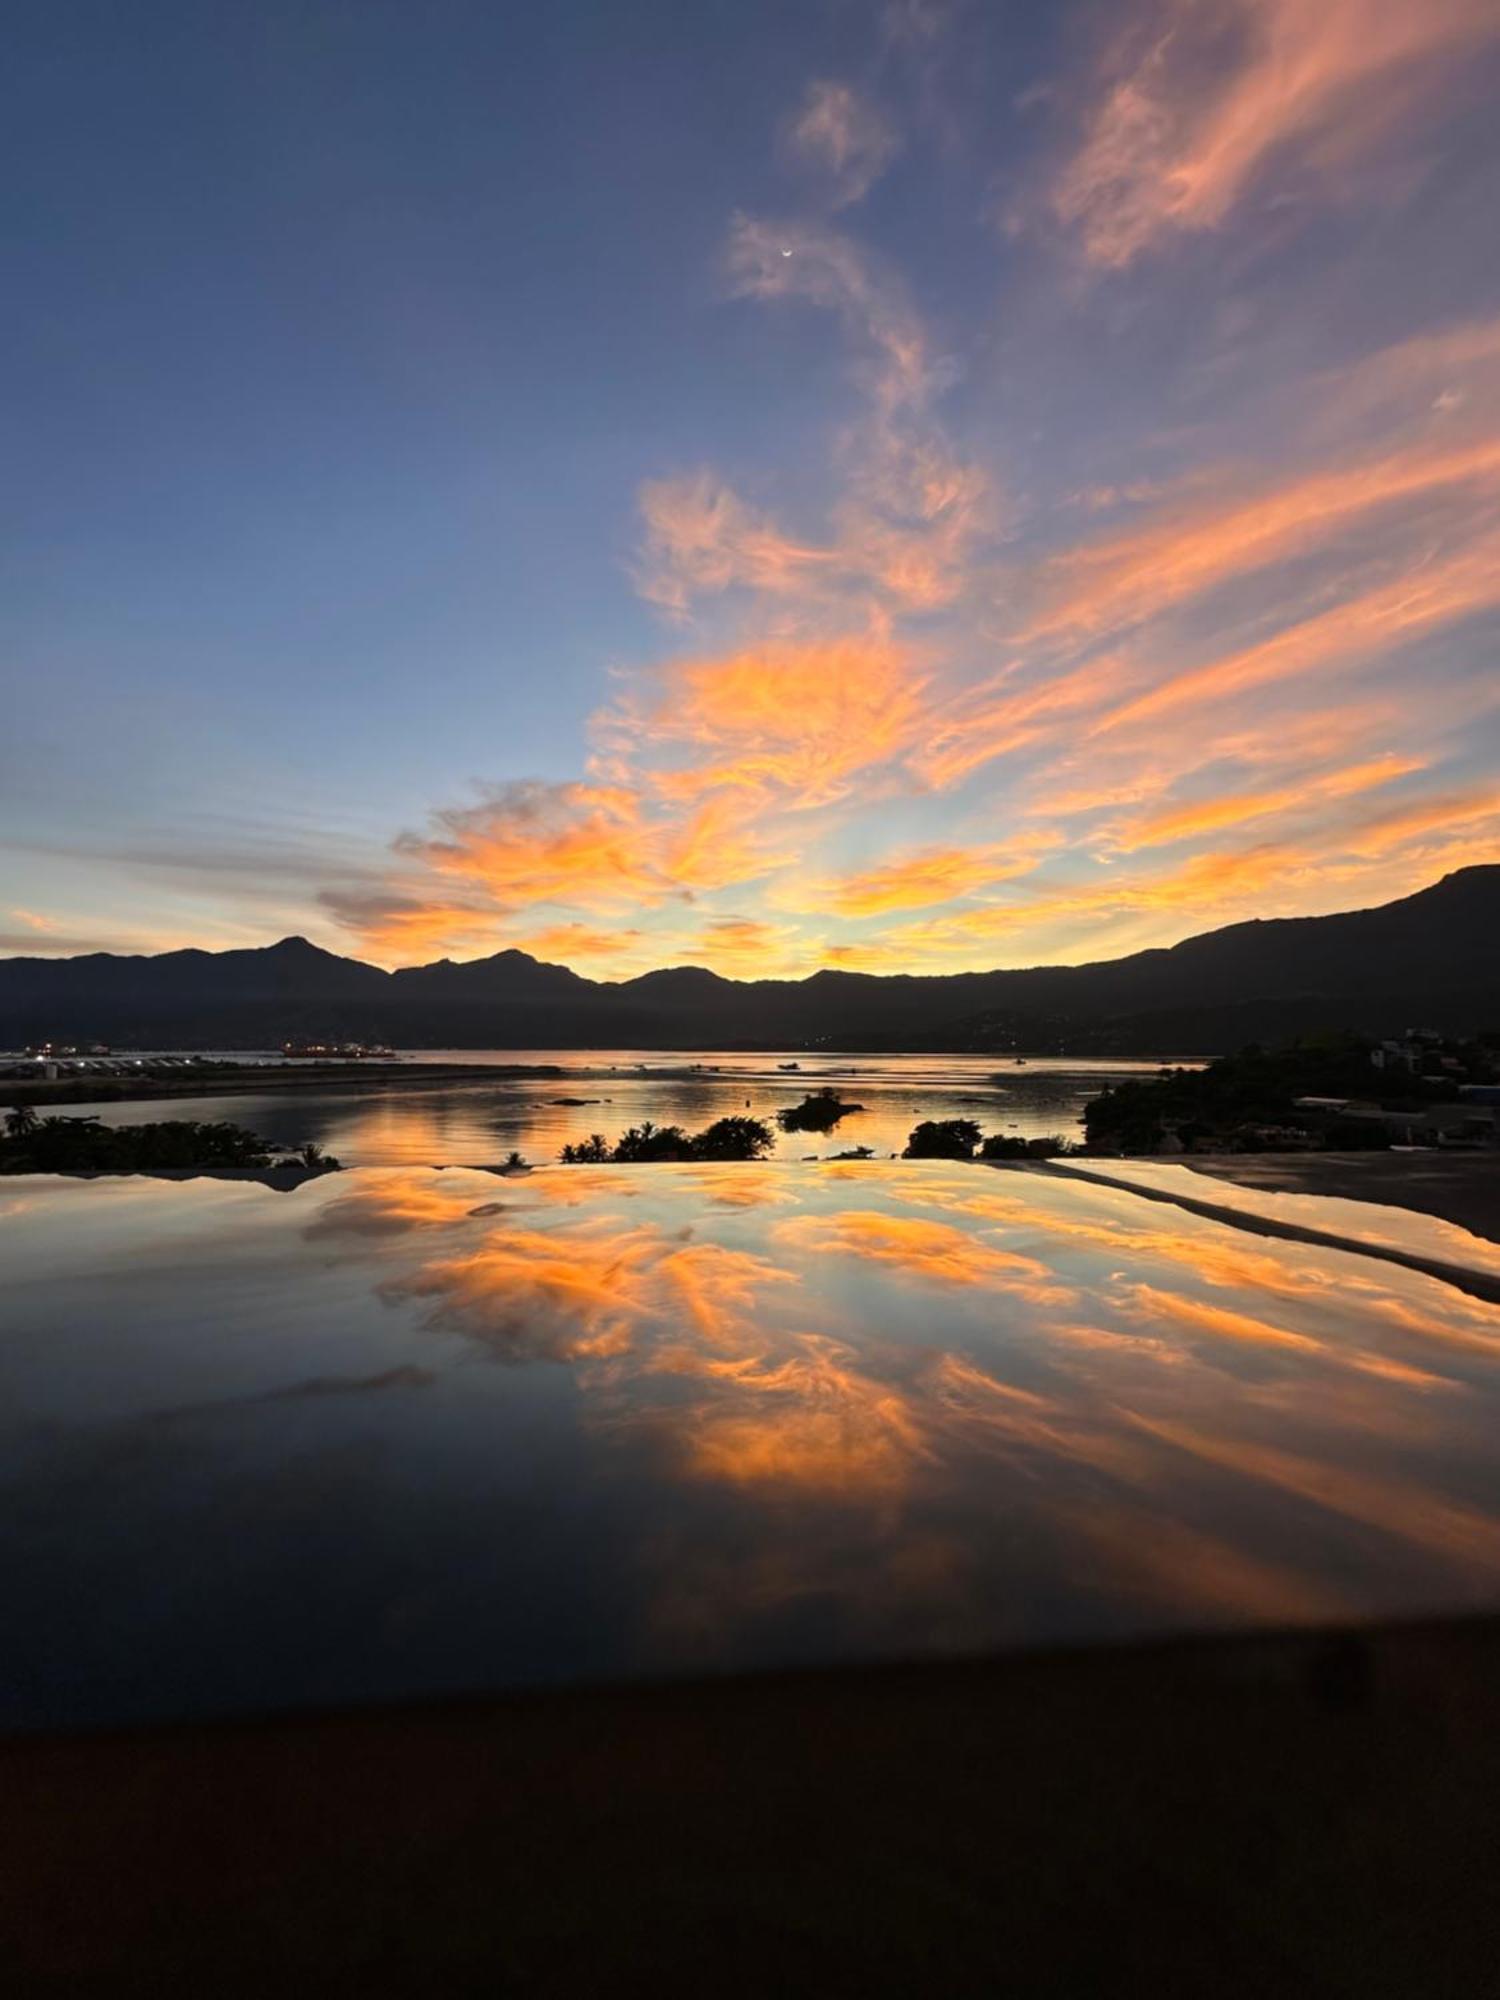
(919, 880)
(1121, 580)
(1214, 814)
(841, 134)
(1202, 103)
(1421, 597)
(939, 710)
(797, 724)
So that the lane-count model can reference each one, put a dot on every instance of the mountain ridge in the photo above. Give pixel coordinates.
(1433, 954)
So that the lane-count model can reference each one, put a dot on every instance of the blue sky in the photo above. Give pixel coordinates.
(770, 486)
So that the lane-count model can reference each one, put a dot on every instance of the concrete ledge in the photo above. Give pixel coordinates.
(1301, 1813)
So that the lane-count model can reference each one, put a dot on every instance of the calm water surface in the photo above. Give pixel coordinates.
(1372, 1222)
(538, 1115)
(400, 1431)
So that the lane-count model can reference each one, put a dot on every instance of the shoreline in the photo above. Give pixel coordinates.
(268, 1077)
(260, 1079)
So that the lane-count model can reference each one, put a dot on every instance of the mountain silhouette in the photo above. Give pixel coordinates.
(1432, 959)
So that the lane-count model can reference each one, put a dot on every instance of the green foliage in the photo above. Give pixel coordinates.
(820, 1111)
(943, 1139)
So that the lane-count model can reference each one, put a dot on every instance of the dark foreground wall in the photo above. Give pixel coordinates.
(1268, 1816)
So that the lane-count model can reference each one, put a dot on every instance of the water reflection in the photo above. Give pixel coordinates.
(605, 1091)
(1426, 1236)
(404, 1430)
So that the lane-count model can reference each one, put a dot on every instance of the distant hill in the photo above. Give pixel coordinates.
(1432, 959)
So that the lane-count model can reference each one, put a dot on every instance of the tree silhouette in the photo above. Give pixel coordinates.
(589, 1152)
(733, 1139)
(943, 1139)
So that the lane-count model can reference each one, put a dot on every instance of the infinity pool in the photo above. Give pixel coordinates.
(402, 1431)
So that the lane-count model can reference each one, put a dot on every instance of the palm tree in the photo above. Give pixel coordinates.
(22, 1122)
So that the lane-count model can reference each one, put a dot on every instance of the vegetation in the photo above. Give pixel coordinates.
(1010, 1146)
(31, 1144)
(1249, 1102)
(725, 1139)
(820, 1111)
(590, 1152)
(733, 1139)
(943, 1139)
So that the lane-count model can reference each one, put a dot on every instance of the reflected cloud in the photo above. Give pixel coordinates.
(758, 1415)
(393, 1201)
(934, 1252)
(594, 1291)
(1465, 1536)
(814, 1420)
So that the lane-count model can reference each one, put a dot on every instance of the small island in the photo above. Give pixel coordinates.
(820, 1111)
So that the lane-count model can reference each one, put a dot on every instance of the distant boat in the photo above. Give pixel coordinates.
(1020, 1062)
(789, 1065)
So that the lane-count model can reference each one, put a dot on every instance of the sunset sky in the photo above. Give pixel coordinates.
(904, 486)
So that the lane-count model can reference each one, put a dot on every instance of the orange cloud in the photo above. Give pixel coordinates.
(1195, 119)
(1478, 810)
(566, 942)
(800, 722)
(1006, 713)
(701, 537)
(719, 844)
(1220, 1321)
(932, 1251)
(406, 924)
(1398, 378)
(531, 843)
(596, 1292)
(905, 535)
(1418, 599)
(745, 947)
(1108, 584)
(1235, 809)
(809, 1420)
(586, 846)
(915, 881)
(889, 647)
